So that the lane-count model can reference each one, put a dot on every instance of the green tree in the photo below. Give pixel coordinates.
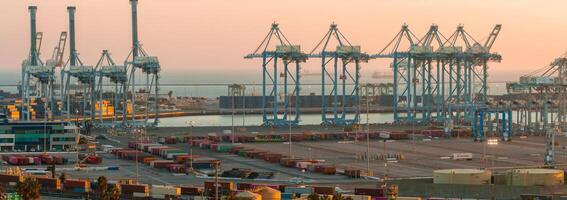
(338, 196)
(348, 198)
(111, 193)
(63, 177)
(313, 196)
(2, 192)
(29, 189)
(102, 184)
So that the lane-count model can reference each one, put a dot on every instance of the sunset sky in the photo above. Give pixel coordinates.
(208, 37)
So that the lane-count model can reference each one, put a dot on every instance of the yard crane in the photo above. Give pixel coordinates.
(278, 60)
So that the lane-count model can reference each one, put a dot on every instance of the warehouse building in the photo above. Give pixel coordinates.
(37, 136)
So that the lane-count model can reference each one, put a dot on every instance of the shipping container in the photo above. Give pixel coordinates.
(165, 190)
(299, 190)
(77, 185)
(51, 183)
(135, 188)
(324, 190)
(373, 192)
(192, 191)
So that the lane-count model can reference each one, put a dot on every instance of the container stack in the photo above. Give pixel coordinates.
(165, 192)
(77, 185)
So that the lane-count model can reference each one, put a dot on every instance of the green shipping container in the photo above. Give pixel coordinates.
(224, 148)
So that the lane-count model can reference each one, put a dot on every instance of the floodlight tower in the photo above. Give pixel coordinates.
(150, 67)
(84, 74)
(117, 75)
(285, 53)
(35, 73)
(345, 111)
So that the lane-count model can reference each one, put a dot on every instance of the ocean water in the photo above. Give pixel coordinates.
(256, 120)
(213, 85)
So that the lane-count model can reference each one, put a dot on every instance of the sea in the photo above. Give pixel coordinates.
(213, 84)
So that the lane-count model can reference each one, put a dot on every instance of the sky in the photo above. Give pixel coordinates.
(206, 40)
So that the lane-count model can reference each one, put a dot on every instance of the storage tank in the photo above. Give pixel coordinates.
(532, 177)
(461, 176)
(248, 195)
(268, 193)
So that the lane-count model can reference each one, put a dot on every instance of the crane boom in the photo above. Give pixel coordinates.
(493, 35)
(60, 49)
(39, 40)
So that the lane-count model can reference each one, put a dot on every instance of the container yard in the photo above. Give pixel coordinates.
(222, 101)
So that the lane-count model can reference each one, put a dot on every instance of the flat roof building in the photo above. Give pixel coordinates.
(38, 136)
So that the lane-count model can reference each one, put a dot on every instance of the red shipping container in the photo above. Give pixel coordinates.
(324, 190)
(374, 192)
(192, 191)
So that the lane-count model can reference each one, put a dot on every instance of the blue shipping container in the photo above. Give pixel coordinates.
(299, 190)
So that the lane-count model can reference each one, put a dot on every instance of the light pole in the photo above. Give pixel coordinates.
(491, 142)
(289, 123)
(233, 108)
(191, 124)
(216, 165)
(368, 134)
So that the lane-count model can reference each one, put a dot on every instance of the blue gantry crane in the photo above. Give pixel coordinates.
(283, 62)
(150, 68)
(341, 67)
(434, 76)
(495, 121)
(540, 105)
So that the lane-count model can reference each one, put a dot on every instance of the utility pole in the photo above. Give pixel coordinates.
(216, 165)
(369, 172)
(289, 123)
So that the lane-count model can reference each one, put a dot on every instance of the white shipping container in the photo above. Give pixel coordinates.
(462, 156)
(153, 147)
(357, 197)
(139, 194)
(409, 198)
(302, 165)
(171, 155)
(165, 190)
(30, 159)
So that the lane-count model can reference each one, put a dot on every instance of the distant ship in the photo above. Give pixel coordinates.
(381, 75)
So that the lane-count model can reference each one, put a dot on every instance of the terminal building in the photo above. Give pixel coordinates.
(38, 136)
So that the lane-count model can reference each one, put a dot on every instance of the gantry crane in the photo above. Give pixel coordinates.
(542, 91)
(150, 66)
(117, 76)
(36, 74)
(278, 60)
(435, 76)
(339, 66)
(84, 106)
